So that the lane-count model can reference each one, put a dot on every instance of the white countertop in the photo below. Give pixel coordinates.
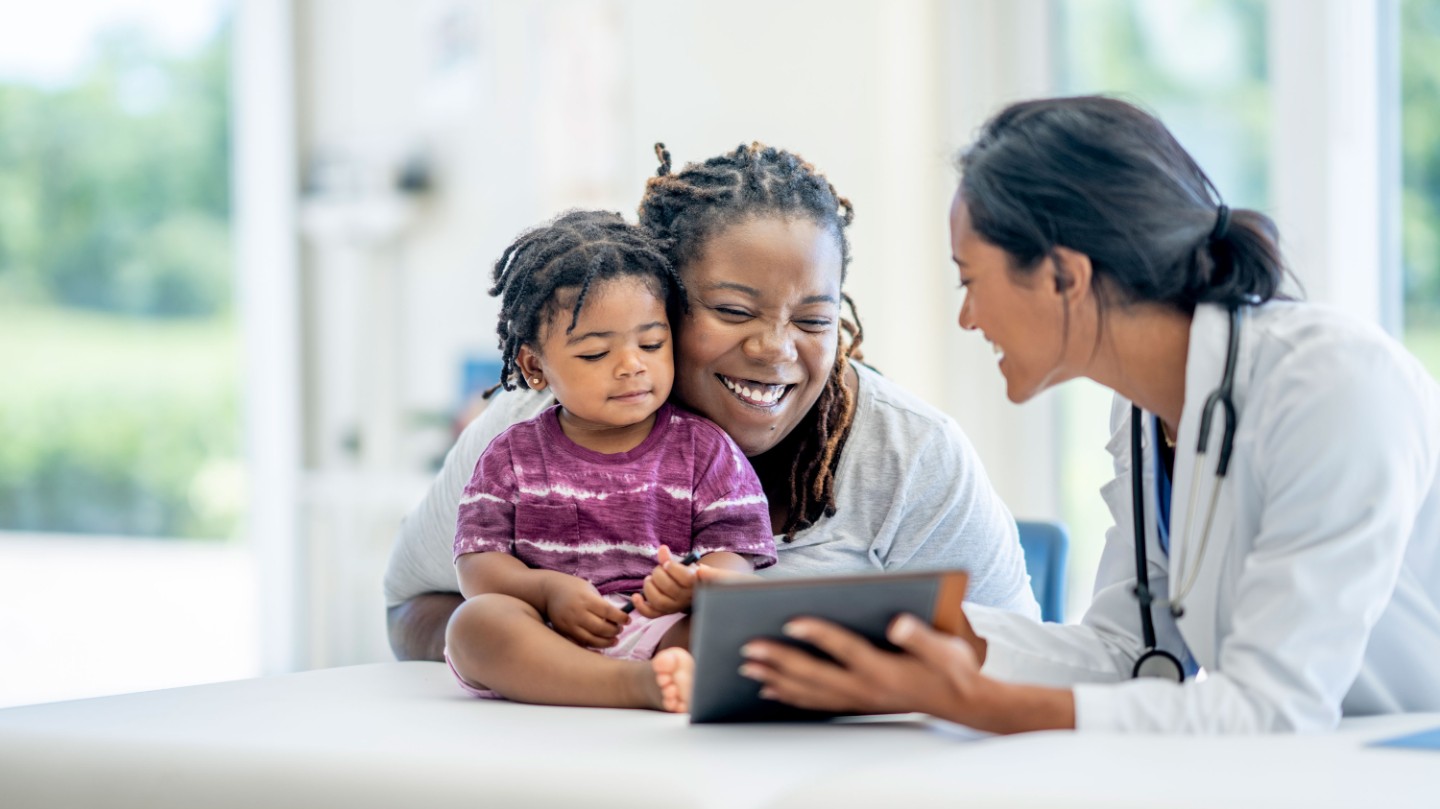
(403, 734)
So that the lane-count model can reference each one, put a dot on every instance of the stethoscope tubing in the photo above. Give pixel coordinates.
(1223, 398)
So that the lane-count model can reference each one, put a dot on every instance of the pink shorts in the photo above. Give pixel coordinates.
(637, 641)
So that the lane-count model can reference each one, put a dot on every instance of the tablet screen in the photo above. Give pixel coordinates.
(728, 615)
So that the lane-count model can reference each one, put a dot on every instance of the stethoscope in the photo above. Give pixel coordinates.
(1156, 662)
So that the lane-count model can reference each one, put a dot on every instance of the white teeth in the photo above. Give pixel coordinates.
(769, 394)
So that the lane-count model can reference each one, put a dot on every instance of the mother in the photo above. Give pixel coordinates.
(860, 475)
(1304, 578)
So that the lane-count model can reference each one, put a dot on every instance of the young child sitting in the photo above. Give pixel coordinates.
(590, 505)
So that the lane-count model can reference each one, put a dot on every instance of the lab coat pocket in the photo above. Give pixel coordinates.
(547, 536)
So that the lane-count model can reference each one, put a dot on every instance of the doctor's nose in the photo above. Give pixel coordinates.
(966, 319)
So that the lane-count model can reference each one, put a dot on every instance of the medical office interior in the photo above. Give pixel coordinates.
(245, 247)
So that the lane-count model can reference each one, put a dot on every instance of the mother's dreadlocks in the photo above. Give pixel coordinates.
(688, 208)
(572, 252)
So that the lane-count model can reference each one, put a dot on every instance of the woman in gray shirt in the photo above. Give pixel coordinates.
(860, 475)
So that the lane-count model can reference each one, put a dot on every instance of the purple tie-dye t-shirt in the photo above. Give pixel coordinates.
(541, 497)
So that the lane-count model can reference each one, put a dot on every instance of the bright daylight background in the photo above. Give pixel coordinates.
(243, 246)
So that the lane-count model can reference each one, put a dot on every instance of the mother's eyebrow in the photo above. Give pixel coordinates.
(731, 285)
(755, 293)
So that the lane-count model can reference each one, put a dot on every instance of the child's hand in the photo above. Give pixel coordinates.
(669, 588)
(578, 611)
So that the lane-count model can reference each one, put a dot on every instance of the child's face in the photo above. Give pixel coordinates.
(615, 368)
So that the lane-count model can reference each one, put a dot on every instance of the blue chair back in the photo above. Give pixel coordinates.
(1046, 545)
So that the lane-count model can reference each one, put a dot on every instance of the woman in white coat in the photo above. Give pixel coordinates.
(1091, 245)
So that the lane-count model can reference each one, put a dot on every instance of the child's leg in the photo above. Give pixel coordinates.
(503, 643)
(677, 635)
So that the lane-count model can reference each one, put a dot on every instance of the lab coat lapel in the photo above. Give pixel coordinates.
(1209, 333)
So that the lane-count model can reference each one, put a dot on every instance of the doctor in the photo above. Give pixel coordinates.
(1288, 571)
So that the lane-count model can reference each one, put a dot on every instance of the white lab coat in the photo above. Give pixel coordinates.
(1319, 592)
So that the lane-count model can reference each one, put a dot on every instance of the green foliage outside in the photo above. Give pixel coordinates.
(117, 425)
(1420, 155)
(1145, 53)
(115, 191)
(119, 411)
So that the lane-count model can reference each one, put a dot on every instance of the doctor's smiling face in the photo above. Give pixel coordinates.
(761, 337)
(1022, 313)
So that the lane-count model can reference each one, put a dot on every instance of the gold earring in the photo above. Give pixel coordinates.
(534, 380)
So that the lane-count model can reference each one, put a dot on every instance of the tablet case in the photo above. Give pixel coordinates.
(727, 615)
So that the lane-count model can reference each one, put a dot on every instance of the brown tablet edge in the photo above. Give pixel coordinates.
(949, 617)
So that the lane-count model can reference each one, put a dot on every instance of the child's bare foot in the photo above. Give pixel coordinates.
(675, 674)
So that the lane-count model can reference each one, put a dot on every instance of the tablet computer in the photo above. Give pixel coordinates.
(727, 615)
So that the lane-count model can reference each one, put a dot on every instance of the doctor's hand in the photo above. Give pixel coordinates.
(933, 673)
(577, 610)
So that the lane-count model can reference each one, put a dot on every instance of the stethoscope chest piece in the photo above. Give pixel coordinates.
(1159, 664)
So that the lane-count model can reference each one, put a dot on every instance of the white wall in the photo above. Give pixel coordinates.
(519, 122)
(525, 108)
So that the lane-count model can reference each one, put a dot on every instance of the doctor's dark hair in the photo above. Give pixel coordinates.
(1104, 178)
(573, 252)
(686, 209)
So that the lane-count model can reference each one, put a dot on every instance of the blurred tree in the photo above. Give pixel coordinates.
(1215, 99)
(120, 410)
(1420, 124)
(115, 190)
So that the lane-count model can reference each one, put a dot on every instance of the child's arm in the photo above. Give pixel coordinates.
(497, 572)
(671, 586)
(572, 605)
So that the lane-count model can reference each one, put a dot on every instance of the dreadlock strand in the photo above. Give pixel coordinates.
(689, 207)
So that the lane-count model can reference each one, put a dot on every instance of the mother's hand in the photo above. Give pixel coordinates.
(934, 673)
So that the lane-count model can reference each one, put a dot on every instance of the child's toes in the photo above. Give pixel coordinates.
(675, 674)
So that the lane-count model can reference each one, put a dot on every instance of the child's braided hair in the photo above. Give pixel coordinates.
(573, 251)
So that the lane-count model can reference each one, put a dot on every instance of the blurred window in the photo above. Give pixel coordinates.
(120, 411)
(1216, 100)
(1419, 33)
(118, 340)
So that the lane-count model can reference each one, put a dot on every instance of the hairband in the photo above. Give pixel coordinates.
(1222, 223)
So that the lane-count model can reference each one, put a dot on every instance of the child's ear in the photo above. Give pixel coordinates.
(528, 361)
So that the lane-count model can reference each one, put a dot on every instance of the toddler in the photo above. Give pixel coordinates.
(588, 507)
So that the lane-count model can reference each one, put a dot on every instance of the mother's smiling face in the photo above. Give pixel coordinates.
(759, 343)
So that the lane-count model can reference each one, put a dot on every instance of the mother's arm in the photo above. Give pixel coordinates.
(947, 514)
(417, 626)
(421, 590)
